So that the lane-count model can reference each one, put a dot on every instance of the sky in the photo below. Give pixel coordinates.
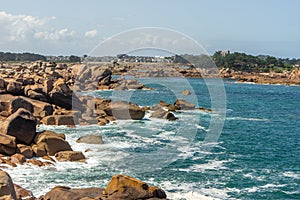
(74, 27)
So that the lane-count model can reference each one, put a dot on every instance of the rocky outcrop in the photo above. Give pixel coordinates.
(66, 193)
(126, 187)
(40, 108)
(2, 86)
(61, 94)
(182, 104)
(7, 190)
(186, 92)
(58, 120)
(7, 144)
(12, 103)
(120, 187)
(125, 110)
(25, 150)
(163, 114)
(18, 158)
(21, 125)
(295, 75)
(23, 194)
(14, 87)
(51, 143)
(90, 139)
(70, 156)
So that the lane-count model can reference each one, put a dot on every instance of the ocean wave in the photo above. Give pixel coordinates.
(210, 165)
(268, 187)
(291, 175)
(247, 119)
(191, 191)
(189, 196)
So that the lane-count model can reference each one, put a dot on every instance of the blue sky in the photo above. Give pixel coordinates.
(76, 27)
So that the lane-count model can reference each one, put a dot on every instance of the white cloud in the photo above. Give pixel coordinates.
(20, 33)
(91, 33)
(54, 34)
(20, 27)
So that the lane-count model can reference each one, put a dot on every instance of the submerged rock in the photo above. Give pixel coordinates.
(186, 92)
(90, 139)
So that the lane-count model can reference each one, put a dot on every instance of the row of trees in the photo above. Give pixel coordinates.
(21, 57)
(7, 56)
(250, 63)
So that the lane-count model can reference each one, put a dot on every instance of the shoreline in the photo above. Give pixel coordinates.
(42, 93)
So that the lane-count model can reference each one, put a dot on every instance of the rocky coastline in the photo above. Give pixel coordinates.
(45, 93)
(285, 78)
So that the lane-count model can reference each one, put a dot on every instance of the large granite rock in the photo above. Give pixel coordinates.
(90, 139)
(2, 86)
(25, 150)
(7, 144)
(70, 156)
(18, 158)
(40, 108)
(52, 142)
(23, 194)
(7, 190)
(21, 124)
(66, 193)
(61, 94)
(125, 110)
(68, 120)
(182, 104)
(12, 103)
(128, 188)
(14, 87)
(163, 114)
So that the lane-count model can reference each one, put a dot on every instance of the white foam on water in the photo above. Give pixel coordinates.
(215, 193)
(191, 191)
(189, 196)
(254, 177)
(211, 165)
(292, 192)
(291, 175)
(271, 185)
(247, 119)
(267, 187)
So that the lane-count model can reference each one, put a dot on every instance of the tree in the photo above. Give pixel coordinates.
(73, 58)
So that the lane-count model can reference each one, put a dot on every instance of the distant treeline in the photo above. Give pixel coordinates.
(21, 57)
(223, 59)
(7, 56)
(250, 63)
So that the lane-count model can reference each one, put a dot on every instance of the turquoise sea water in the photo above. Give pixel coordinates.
(256, 157)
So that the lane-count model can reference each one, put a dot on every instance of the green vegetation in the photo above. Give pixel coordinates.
(21, 57)
(250, 63)
(73, 58)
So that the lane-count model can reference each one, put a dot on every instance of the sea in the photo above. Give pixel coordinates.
(255, 154)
